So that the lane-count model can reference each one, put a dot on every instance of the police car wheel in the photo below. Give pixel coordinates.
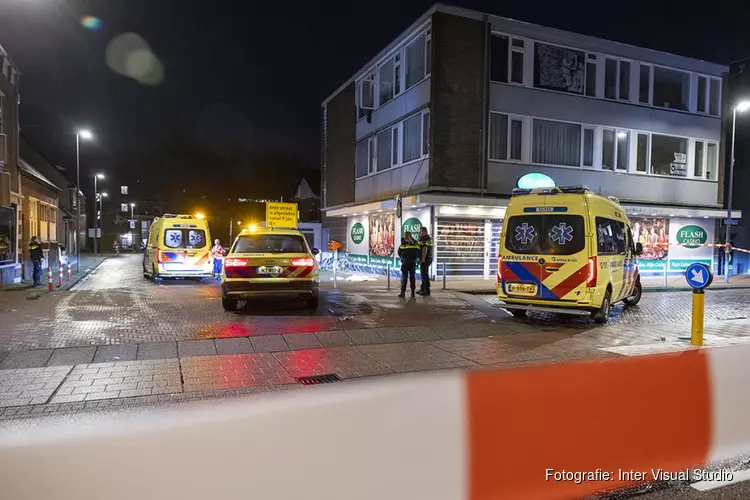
(229, 304)
(601, 315)
(636, 297)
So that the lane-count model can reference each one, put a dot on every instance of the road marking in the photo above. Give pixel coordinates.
(737, 477)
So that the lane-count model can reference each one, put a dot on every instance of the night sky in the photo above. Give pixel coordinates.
(236, 110)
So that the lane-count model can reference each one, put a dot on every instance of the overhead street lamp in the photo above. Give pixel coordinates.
(97, 198)
(132, 207)
(86, 135)
(740, 107)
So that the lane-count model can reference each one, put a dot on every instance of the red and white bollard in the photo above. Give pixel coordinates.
(68, 272)
(61, 273)
(49, 277)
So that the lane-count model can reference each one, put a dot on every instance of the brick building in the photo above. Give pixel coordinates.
(463, 107)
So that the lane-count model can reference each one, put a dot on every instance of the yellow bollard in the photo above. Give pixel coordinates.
(696, 331)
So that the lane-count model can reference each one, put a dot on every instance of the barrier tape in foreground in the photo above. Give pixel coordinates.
(479, 435)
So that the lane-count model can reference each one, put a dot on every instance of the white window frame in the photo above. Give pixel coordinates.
(592, 128)
(692, 148)
(651, 147)
(634, 161)
(650, 84)
(531, 141)
(359, 91)
(511, 118)
(711, 81)
(427, 33)
(521, 50)
(618, 89)
(691, 90)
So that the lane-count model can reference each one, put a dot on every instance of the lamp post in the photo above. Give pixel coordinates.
(231, 228)
(86, 135)
(739, 107)
(96, 219)
(101, 215)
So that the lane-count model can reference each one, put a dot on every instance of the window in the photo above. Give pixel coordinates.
(43, 220)
(610, 79)
(588, 147)
(394, 146)
(545, 234)
(499, 58)
(506, 59)
(2, 107)
(702, 93)
(668, 155)
(556, 143)
(700, 152)
(671, 88)
(559, 68)
(184, 238)
(412, 138)
(428, 53)
(52, 223)
(8, 234)
(644, 85)
(123, 190)
(415, 53)
(384, 150)
(712, 157)
(623, 143)
(624, 80)
(363, 158)
(33, 217)
(397, 76)
(365, 94)
(516, 61)
(426, 133)
(641, 158)
(608, 149)
(505, 137)
(713, 102)
(591, 75)
(270, 243)
(387, 76)
(610, 237)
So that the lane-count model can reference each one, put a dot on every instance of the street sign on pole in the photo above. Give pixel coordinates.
(698, 276)
(731, 222)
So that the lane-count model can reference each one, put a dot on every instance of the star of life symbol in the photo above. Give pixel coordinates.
(562, 233)
(525, 233)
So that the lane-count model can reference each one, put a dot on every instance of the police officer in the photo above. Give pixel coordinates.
(425, 260)
(409, 254)
(36, 255)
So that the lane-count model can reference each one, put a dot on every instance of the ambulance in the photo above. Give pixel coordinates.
(566, 250)
(178, 246)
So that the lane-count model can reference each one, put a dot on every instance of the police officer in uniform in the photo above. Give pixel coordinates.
(409, 254)
(425, 260)
(36, 255)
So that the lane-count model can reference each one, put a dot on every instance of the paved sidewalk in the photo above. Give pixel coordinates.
(89, 263)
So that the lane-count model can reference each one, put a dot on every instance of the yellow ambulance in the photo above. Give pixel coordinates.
(178, 246)
(566, 250)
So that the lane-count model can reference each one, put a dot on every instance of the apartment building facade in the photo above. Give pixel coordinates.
(464, 107)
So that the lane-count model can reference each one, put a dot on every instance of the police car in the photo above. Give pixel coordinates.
(270, 262)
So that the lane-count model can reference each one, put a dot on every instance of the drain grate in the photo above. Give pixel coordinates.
(328, 378)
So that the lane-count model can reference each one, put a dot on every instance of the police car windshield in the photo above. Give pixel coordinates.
(547, 234)
(270, 243)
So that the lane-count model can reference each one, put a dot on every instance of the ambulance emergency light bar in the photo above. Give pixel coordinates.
(552, 190)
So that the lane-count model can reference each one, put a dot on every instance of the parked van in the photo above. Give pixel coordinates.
(566, 250)
(178, 246)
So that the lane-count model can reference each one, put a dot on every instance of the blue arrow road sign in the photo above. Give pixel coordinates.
(731, 222)
(698, 275)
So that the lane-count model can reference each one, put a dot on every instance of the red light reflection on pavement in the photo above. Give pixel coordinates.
(234, 371)
(234, 329)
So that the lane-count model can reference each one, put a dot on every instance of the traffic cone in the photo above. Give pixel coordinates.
(49, 277)
(61, 274)
(68, 272)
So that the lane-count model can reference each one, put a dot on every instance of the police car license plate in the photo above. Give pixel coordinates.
(269, 270)
(521, 288)
(174, 266)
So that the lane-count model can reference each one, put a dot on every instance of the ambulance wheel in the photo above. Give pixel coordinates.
(229, 304)
(518, 313)
(313, 302)
(601, 315)
(636, 297)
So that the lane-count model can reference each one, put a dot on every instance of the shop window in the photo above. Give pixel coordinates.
(7, 234)
(668, 155)
(556, 143)
(671, 88)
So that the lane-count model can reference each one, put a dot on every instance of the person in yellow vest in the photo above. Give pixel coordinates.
(409, 254)
(425, 260)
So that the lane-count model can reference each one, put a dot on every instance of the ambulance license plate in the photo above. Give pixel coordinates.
(521, 288)
(269, 270)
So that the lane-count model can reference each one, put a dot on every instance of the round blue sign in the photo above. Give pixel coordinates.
(535, 180)
(698, 275)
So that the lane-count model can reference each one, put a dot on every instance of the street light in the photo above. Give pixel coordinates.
(96, 219)
(132, 207)
(739, 107)
(86, 135)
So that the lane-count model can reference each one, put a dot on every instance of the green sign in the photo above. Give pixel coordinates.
(411, 225)
(358, 233)
(691, 236)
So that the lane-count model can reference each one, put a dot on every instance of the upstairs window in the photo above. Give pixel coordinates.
(365, 95)
(669, 155)
(556, 143)
(671, 89)
(507, 57)
(417, 54)
(559, 68)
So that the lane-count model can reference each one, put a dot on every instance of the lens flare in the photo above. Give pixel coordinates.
(91, 22)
